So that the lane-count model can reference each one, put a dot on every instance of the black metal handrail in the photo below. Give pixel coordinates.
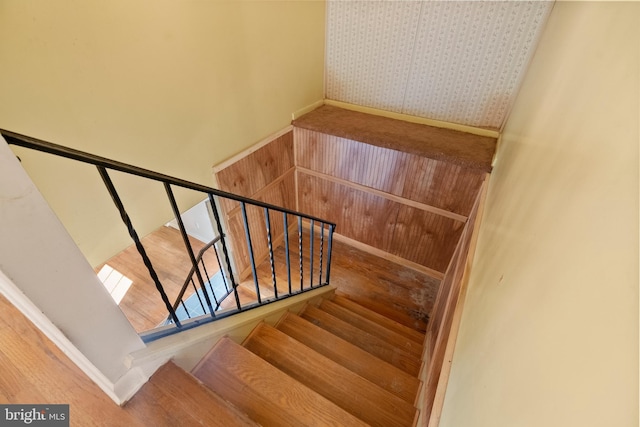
(84, 157)
(211, 301)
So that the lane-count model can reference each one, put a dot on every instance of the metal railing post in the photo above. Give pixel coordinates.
(187, 244)
(247, 234)
(225, 251)
(286, 249)
(134, 235)
(267, 221)
(332, 227)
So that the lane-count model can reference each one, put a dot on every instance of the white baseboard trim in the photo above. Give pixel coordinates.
(119, 392)
(307, 109)
(255, 147)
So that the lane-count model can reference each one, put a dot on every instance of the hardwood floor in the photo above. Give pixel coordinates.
(33, 369)
(142, 304)
(371, 281)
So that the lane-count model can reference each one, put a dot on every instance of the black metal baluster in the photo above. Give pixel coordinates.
(267, 221)
(321, 252)
(286, 249)
(331, 229)
(195, 289)
(225, 251)
(187, 244)
(247, 234)
(300, 250)
(213, 292)
(134, 235)
(311, 256)
(230, 285)
(224, 280)
(184, 307)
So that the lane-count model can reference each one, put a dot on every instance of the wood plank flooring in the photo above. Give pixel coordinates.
(33, 369)
(382, 285)
(142, 304)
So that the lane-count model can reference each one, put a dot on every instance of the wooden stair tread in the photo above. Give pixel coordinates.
(376, 346)
(380, 319)
(372, 328)
(352, 357)
(266, 394)
(173, 393)
(392, 313)
(370, 403)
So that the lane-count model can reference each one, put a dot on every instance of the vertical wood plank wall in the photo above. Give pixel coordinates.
(403, 204)
(442, 315)
(268, 175)
(409, 206)
(415, 208)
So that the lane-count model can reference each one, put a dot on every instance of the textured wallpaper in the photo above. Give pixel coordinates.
(457, 61)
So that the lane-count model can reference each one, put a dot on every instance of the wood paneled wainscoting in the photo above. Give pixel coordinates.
(443, 324)
(365, 190)
(400, 190)
(266, 172)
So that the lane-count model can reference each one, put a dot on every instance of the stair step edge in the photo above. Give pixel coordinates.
(369, 343)
(379, 318)
(378, 371)
(266, 394)
(373, 328)
(372, 403)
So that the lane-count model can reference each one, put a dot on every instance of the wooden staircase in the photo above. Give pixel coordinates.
(336, 363)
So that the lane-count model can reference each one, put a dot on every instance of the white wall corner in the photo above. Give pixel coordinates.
(127, 386)
(307, 109)
(119, 392)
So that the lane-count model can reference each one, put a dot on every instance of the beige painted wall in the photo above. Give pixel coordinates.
(171, 86)
(549, 336)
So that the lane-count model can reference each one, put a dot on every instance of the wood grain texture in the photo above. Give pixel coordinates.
(376, 167)
(180, 399)
(384, 195)
(359, 215)
(282, 194)
(464, 149)
(266, 174)
(422, 237)
(425, 238)
(371, 315)
(266, 394)
(350, 356)
(372, 404)
(257, 170)
(368, 342)
(34, 370)
(400, 293)
(387, 287)
(439, 328)
(435, 404)
(444, 185)
(373, 328)
(437, 183)
(142, 304)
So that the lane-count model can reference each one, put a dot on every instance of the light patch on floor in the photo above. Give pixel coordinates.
(116, 283)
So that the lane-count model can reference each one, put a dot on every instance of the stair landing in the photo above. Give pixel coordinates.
(461, 148)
